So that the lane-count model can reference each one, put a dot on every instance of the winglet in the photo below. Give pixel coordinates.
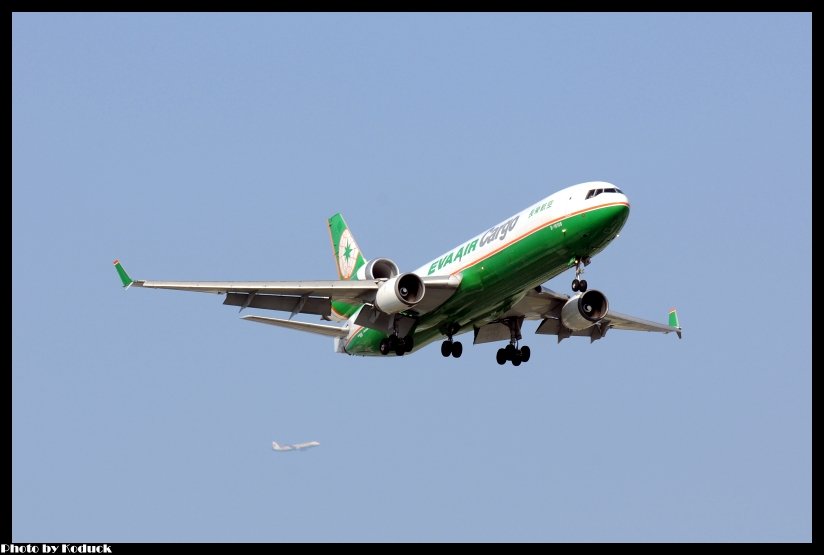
(673, 321)
(124, 277)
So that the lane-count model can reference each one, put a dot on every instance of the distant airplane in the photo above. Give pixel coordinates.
(488, 284)
(294, 447)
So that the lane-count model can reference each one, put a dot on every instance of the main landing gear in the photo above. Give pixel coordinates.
(398, 345)
(453, 348)
(450, 347)
(580, 284)
(511, 352)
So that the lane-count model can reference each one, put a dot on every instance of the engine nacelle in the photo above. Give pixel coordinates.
(584, 309)
(399, 293)
(378, 268)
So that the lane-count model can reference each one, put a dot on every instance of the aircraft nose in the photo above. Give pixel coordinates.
(617, 212)
(621, 213)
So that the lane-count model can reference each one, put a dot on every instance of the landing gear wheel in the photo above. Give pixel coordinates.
(400, 347)
(457, 349)
(409, 343)
(384, 346)
(525, 352)
(511, 351)
(579, 284)
(446, 348)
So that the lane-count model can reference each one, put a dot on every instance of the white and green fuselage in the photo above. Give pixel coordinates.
(498, 266)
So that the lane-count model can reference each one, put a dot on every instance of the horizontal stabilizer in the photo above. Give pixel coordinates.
(329, 331)
(288, 303)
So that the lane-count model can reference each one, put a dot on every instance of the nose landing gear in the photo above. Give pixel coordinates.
(580, 284)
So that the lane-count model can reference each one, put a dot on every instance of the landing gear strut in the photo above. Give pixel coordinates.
(450, 347)
(511, 352)
(580, 284)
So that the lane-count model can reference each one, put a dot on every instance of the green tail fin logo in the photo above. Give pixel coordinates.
(348, 256)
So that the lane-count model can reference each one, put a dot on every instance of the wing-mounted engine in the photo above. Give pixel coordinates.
(399, 293)
(584, 314)
(403, 292)
(584, 310)
(378, 268)
(394, 295)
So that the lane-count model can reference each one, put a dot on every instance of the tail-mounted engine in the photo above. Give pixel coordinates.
(378, 268)
(584, 309)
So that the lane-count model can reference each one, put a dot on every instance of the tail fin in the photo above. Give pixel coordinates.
(275, 445)
(673, 321)
(348, 257)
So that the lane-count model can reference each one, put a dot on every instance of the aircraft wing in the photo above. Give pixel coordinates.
(624, 322)
(297, 297)
(546, 305)
(334, 289)
(538, 304)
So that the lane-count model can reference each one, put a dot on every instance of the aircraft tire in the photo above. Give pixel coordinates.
(400, 347)
(457, 349)
(446, 348)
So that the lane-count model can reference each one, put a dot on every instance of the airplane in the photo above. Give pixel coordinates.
(488, 285)
(294, 447)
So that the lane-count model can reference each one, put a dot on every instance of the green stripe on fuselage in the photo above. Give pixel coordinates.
(491, 286)
(344, 309)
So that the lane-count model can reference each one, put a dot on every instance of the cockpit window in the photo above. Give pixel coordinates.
(596, 192)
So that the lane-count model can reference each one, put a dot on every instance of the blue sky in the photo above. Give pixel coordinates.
(214, 146)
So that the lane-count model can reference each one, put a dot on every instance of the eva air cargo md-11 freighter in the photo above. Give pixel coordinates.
(487, 285)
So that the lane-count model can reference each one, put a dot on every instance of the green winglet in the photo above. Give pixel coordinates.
(124, 277)
(673, 321)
